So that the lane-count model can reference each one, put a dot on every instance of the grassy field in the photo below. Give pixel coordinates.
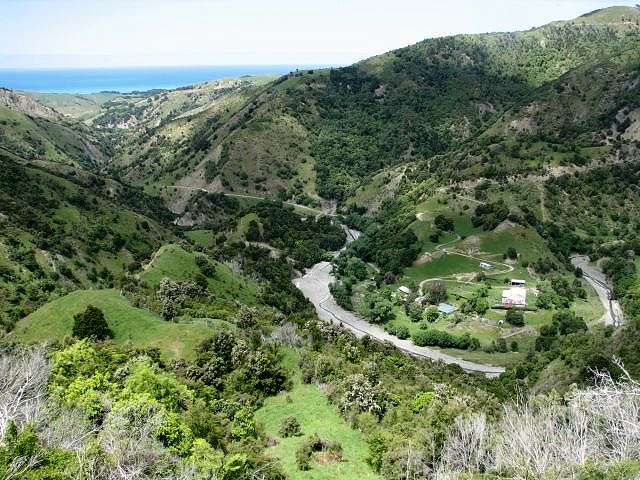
(204, 238)
(316, 415)
(445, 265)
(141, 328)
(174, 262)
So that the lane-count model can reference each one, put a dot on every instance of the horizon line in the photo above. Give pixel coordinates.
(221, 65)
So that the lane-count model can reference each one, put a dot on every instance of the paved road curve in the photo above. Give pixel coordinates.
(612, 311)
(315, 286)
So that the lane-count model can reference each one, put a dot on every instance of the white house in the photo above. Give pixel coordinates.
(517, 283)
(485, 266)
(514, 297)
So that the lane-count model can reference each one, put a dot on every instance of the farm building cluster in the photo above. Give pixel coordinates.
(513, 297)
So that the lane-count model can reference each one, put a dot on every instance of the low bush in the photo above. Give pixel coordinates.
(399, 331)
(315, 445)
(290, 427)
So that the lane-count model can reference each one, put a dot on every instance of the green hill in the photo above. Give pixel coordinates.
(130, 325)
(325, 132)
(69, 229)
(172, 261)
(33, 131)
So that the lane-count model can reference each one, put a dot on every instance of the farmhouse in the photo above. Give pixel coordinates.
(514, 297)
(485, 266)
(446, 308)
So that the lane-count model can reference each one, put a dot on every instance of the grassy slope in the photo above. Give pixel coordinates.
(174, 262)
(141, 328)
(80, 106)
(38, 138)
(45, 214)
(316, 415)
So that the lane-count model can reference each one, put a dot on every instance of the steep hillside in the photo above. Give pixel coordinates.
(59, 234)
(34, 131)
(417, 102)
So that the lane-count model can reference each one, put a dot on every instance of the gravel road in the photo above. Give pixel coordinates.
(595, 276)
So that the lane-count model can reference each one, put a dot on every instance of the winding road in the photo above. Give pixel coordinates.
(315, 287)
(613, 314)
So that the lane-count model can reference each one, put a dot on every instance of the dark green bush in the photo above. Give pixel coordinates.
(91, 324)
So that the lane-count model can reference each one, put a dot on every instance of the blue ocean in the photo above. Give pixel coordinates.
(124, 80)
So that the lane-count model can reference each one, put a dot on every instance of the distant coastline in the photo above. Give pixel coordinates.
(127, 79)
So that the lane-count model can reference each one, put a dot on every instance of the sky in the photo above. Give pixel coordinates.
(111, 33)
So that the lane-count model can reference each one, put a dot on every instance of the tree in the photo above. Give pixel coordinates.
(172, 296)
(356, 268)
(568, 322)
(435, 292)
(414, 312)
(512, 253)
(253, 232)
(91, 324)
(443, 223)
(378, 308)
(207, 268)
(515, 317)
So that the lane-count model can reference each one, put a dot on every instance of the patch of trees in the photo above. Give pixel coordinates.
(225, 358)
(305, 240)
(439, 338)
(443, 223)
(490, 215)
(388, 242)
(564, 322)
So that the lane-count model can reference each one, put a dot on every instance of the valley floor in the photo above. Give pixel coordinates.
(315, 286)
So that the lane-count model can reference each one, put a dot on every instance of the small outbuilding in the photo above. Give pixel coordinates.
(446, 308)
(517, 283)
(404, 290)
(485, 266)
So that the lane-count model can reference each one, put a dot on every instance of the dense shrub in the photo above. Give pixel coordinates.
(438, 338)
(91, 324)
(290, 427)
(314, 446)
